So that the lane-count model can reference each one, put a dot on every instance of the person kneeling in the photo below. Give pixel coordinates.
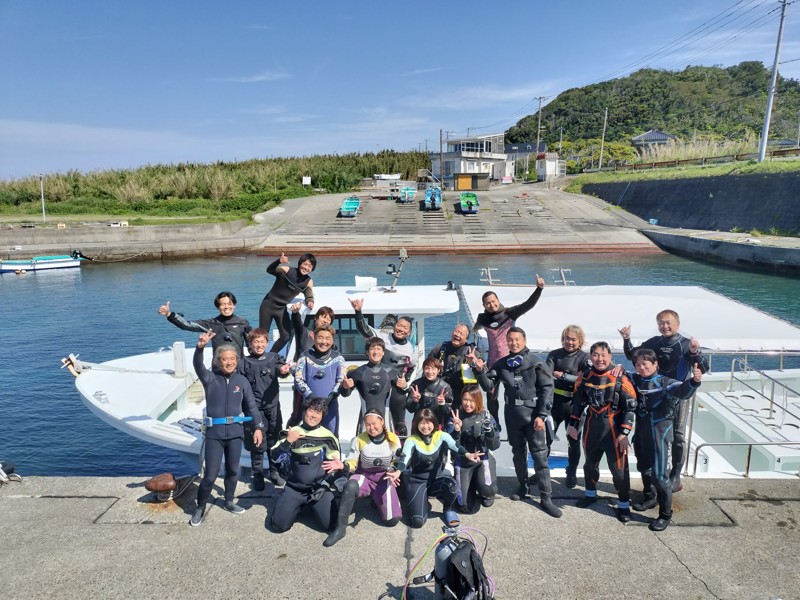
(371, 460)
(422, 468)
(310, 453)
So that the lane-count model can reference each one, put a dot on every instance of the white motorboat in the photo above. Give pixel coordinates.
(744, 422)
(42, 263)
(157, 397)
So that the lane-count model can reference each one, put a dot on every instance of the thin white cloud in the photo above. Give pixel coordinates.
(416, 72)
(257, 78)
(478, 97)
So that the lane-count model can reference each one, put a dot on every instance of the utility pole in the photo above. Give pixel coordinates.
(798, 127)
(602, 141)
(441, 162)
(41, 186)
(539, 125)
(560, 138)
(762, 149)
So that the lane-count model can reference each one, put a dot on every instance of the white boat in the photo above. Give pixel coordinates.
(387, 176)
(157, 398)
(738, 411)
(42, 263)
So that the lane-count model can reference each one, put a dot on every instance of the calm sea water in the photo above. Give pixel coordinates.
(108, 311)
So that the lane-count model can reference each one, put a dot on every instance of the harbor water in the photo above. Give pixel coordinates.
(106, 311)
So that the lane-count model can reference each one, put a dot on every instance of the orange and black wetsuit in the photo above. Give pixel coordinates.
(612, 405)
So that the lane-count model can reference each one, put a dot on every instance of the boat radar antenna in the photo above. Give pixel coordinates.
(393, 270)
(486, 275)
(561, 276)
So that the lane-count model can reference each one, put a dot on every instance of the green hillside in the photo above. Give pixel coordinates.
(706, 102)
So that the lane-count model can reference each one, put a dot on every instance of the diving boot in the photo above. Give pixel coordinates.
(258, 482)
(677, 486)
(548, 506)
(571, 481)
(623, 515)
(647, 503)
(521, 493)
(660, 524)
(276, 479)
(346, 502)
(487, 502)
(586, 501)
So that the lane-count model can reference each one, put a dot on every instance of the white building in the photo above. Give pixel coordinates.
(471, 163)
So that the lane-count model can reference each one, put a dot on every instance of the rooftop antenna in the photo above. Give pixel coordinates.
(393, 270)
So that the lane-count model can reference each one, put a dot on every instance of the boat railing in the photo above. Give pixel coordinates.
(784, 390)
(747, 457)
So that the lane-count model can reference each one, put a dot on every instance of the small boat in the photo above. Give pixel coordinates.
(387, 176)
(407, 194)
(350, 206)
(469, 203)
(43, 263)
(433, 199)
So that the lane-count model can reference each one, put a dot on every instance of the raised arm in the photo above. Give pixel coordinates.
(515, 312)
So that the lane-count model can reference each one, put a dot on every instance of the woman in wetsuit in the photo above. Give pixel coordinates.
(422, 468)
(476, 430)
(371, 456)
(288, 283)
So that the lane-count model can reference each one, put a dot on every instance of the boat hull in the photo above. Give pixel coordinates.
(39, 263)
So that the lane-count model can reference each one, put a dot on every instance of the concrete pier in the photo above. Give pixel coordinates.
(105, 538)
(513, 219)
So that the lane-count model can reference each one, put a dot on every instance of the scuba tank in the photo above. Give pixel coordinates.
(441, 559)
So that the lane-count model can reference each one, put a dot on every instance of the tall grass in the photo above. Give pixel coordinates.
(698, 149)
(206, 189)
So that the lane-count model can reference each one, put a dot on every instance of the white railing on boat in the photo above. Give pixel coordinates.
(763, 378)
(749, 445)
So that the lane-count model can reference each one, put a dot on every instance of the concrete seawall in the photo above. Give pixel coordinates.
(747, 202)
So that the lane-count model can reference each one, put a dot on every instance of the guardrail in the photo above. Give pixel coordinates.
(749, 452)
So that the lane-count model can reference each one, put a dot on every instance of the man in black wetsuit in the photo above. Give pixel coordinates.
(528, 387)
(566, 364)
(289, 282)
(496, 320)
(227, 392)
(456, 356)
(227, 327)
(262, 369)
(677, 356)
(375, 382)
(399, 354)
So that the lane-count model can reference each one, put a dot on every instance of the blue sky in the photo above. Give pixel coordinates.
(94, 85)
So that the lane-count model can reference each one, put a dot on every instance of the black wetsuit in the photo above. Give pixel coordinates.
(430, 390)
(262, 372)
(676, 361)
(306, 480)
(400, 355)
(496, 326)
(476, 480)
(225, 397)
(422, 466)
(610, 413)
(528, 388)
(571, 364)
(374, 383)
(658, 398)
(288, 284)
(231, 330)
(452, 358)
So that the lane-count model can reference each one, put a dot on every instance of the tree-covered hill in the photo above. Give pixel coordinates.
(710, 102)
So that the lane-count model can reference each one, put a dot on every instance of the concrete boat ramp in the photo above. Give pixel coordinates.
(105, 538)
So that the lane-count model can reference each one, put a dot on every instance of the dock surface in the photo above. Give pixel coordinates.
(105, 538)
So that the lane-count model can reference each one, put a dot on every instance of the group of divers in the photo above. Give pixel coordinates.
(596, 400)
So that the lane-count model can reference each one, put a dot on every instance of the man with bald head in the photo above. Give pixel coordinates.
(456, 356)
